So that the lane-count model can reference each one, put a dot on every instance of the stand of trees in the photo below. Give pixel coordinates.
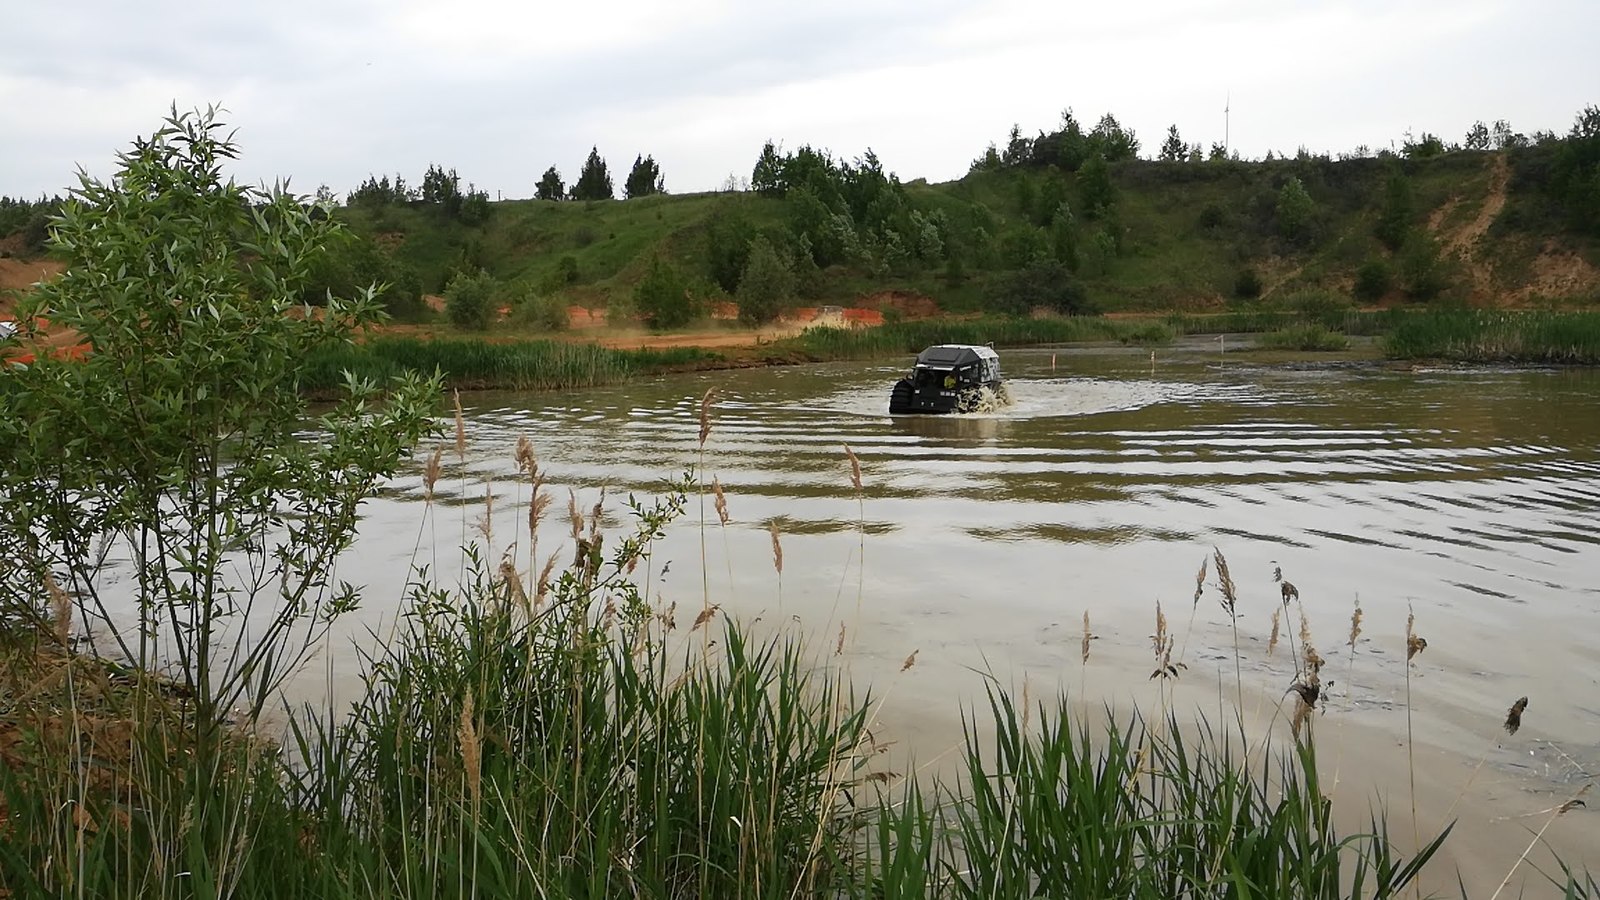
(31, 218)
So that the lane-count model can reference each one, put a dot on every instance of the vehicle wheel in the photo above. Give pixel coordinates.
(900, 398)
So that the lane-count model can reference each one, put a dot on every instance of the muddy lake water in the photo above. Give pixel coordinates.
(1467, 496)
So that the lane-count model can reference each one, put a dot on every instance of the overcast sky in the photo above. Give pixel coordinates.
(327, 91)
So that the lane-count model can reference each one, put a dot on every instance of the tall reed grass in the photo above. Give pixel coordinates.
(1497, 336)
(478, 364)
(910, 337)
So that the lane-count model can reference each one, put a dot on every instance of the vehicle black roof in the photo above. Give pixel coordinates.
(950, 356)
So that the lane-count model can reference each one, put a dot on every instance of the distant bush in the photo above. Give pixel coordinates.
(1211, 217)
(1304, 337)
(1046, 284)
(584, 236)
(469, 300)
(1318, 306)
(1424, 274)
(1247, 286)
(1373, 280)
(766, 285)
(663, 296)
(540, 309)
(567, 269)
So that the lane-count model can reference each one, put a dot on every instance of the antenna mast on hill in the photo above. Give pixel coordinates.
(1227, 107)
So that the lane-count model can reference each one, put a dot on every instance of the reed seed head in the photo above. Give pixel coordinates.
(1355, 624)
(1514, 715)
(777, 546)
(838, 647)
(855, 468)
(704, 617)
(1200, 580)
(705, 415)
(512, 581)
(485, 525)
(910, 660)
(574, 515)
(542, 588)
(1087, 637)
(1230, 597)
(430, 473)
(595, 515)
(1313, 660)
(536, 509)
(471, 749)
(1290, 592)
(721, 501)
(527, 462)
(1414, 643)
(1272, 643)
(461, 430)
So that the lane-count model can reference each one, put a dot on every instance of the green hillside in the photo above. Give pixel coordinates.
(1072, 221)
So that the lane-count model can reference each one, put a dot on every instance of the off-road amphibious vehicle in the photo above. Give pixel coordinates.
(949, 378)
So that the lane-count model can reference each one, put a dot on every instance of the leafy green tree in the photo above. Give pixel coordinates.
(175, 441)
(474, 206)
(469, 300)
(1503, 138)
(988, 162)
(1042, 284)
(1395, 214)
(550, 186)
(727, 244)
(1064, 238)
(1424, 274)
(1426, 147)
(348, 263)
(1373, 280)
(1173, 149)
(644, 179)
(766, 284)
(442, 190)
(1019, 150)
(376, 192)
(594, 182)
(767, 176)
(955, 269)
(1477, 136)
(1575, 172)
(1052, 194)
(1096, 194)
(1023, 246)
(1295, 210)
(662, 296)
(811, 220)
(1112, 141)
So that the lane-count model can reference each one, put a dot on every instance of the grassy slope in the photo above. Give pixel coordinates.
(1168, 259)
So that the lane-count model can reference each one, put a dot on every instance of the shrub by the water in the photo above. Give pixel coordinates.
(469, 300)
(1304, 337)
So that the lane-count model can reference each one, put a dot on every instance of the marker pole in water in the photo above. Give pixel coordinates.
(1052, 362)
(1152, 364)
